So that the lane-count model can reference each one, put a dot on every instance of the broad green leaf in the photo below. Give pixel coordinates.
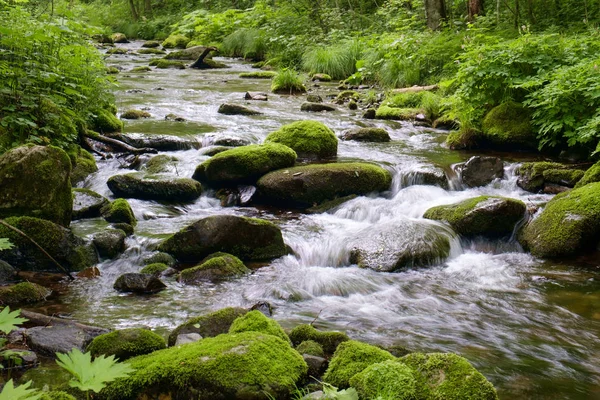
(10, 320)
(5, 244)
(21, 392)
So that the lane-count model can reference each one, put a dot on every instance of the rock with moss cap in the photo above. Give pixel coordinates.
(84, 164)
(329, 341)
(160, 164)
(488, 216)
(23, 293)
(126, 343)
(155, 269)
(309, 185)
(119, 38)
(163, 258)
(138, 283)
(590, 176)
(316, 107)
(119, 211)
(569, 225)
(390, 378)
(209, 325)
(215, 269)
(250, 239)
(351, 358)
(245, 365)
(244, 164)
(400, 244)
(190, 53)
(70, 251)
(110, 242)
(508, 126)
(448, 376)
(531, 174)
(150, 44)
(367, 135)
(397, 114)
(321, 77)
(310, 347)
(35, 181)
(175, 41)
(105, 121)
(236, 109)
(167, 64)
(309, 139)
(258, 75)
(135, 114)
(255, 321)
(87, 204)
(134, 186)
(563, 177)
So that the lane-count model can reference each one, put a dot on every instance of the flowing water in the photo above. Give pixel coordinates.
(532, 327)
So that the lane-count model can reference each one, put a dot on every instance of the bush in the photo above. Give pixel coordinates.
(338, 61)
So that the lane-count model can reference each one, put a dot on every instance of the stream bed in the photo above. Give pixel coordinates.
(530, 326)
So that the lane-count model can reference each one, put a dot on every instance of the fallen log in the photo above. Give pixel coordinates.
(117, 144)
(415, 89)
(37, 319)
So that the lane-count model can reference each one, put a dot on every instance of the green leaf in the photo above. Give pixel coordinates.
(21, 392)
(10, 320)
(5, 244)
(91, 375)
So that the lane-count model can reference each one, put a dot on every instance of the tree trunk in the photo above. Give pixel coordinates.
(435, 13)
(134, 12)
(148, 8)
(199, 63)
(475, 8)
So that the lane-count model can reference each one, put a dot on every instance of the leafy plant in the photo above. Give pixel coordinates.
(331, 392)
(5, 244)
(91, 375)
(10, 320)
(21, 392)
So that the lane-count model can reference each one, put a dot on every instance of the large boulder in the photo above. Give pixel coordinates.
(508, 126)
(568, 226)
(158, 142)
(591, 175)
(133, 186)
(308, 185)
(84, 164)
(138, 283)
(255, 321)
(35, 181)
(424, 174)
(390, 378)
(119, 211)
(49, 340)
(23, 293)
(175, 41)
(367, 135)
(216, 268)
(110, 242)
(248, 365)
(87, 204)
(309, 139)
(209, 325)
(534, 176)
(250, 239)
(244, 164)
(399, 244)
(126, 343)
(236, 109)
(481, 216)
(190, 53)
(480, 171)
(70, 251)
(328, 340)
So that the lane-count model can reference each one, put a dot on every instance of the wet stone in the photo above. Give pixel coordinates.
(139, 283)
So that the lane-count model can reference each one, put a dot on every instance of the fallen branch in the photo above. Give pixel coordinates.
(199, 63)
(37, 319)
(117, 144)
(415, 89)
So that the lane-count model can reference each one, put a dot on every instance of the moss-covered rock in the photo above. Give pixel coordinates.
(67, 249)
(351, 358)
(390, 379)
(563, 177)
(189, 53)
(135, 114)
(87, 204)
(569, 225)
(110, 242)
(309, 185)
(84, 164)
(23, 293)
(244, 164)
(119, 211)
(245, 365)
(126, 343)
(258, 75)
(346, 96)
(155, 269)
(176, 41)
(116, 50)
(489, 216)
(167, 64)
(321, 77)
(236, 109)
(150, 44)
(367, 135)
(448, 376)
(112, 70)
(531, 174)
(316, 107)
(160, 164)
(250, 239)
(255, 321)
(147, 51)
(138, 283)
(119, 38)
(57, 395)
(309, 139)
(399, 244)
(214, 269)
(464, 139)
(310, 347)
(397, 114)
(162, 258)
(35, 181)
(209, 325)
(508, 126)
(329, 341)
(132, 186)
(105, 121)
(591, 175)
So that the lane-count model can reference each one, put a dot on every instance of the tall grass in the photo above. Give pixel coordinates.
(338, 61)
(288, 81)
(248, 43)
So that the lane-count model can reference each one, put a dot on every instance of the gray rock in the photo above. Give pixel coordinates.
(87, 204)
(400, 244)
(314, 98)
(316, 107)
(316, 365)
(187, 338)
(132, 186)
(367, 135)
(236, 109)
(230, 141)
(7, 272)
(370, 113)
(158, 142)
(256, 96)
(49, 340)
(425, 175)
(480, 171)
(163, 258)
(139, 283)
(110, 242)
(214, 150)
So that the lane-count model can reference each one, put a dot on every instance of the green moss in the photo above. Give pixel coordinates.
(154, 269)
(208, 325)
(112, 70)
(149, 51)
(117, 50)
(23, 293)
(161, 258)
(350, 358)
(509, 126)
(57, 395)
(347, 95)
(126, 343)
(244, 164)
(84, 164)
(141, 69)
(484, 215)
(214, 269)
(119, 211)
(531, 174)
(255, 321)
(307, 139)
(565, 177)
(329, 341)
(175, 41)
(310, 347)
(287, 82)
(321, 77)
(258, 75)
(569, 225)
(464, 139)
(135, 114)
(448, 376)
(161, 63)
(398, 114)
(242, 365)
(389, 379)
(105, 121)
(150, 44)
(591, 175)
(160, 163)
